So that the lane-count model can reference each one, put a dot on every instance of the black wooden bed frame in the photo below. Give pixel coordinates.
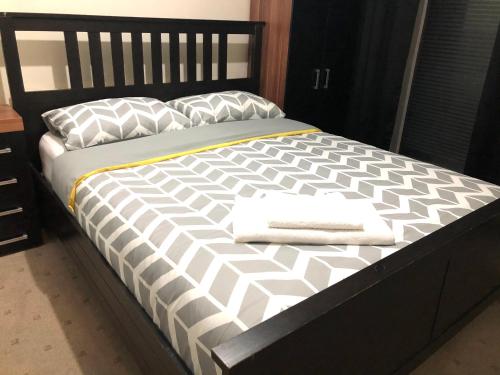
(384, 319)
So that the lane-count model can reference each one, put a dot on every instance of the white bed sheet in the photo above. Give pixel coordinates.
(50, 147)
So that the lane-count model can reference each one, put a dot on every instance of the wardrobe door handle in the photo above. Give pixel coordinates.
(316, 79)
(327, 78)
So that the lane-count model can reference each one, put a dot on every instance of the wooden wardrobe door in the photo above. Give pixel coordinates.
(307, 36)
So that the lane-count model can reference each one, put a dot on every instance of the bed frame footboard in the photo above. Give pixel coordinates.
(387, 317)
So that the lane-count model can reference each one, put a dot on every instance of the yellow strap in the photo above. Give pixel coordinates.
(72, 196)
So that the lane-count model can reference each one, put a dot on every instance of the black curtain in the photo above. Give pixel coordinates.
(383, 47)
(483, 160)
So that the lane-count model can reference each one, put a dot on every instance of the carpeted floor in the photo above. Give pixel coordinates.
(51, 324)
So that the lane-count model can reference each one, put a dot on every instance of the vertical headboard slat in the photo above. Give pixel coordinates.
(117, 59)
(156, 61)
(137, 58)
(191, 57)
(222, 56)
(207, 56)
(174, 58)
(73, 57)
(96, 59)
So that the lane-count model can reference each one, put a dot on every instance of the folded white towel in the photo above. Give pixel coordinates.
(314, 212)
(250, 225)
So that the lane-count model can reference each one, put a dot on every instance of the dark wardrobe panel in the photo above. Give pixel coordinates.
(449, 80)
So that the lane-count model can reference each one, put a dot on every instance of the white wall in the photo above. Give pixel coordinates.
(44, 60)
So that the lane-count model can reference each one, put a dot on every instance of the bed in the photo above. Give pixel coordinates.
(155, 238)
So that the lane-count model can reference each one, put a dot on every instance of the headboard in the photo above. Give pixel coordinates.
(31, 104)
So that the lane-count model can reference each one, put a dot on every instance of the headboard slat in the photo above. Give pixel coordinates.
(222, 56)
(137, 58)
(96, 59)
(174, 58)
(73, 57)
(156, 61)
(191, 56)
(30, 105)
(117, 58)
(207, 56)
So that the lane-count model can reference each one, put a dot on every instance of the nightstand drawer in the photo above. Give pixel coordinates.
(13, 242)
(11, 169)
(10, 194)
(12, 148)
(15, 186)
(18, 230)
(12, 224)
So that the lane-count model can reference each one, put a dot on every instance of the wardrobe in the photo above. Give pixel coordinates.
(322, 46)
(337, 64)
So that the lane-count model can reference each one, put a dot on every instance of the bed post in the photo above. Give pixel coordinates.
(255, 49)
(12, 62)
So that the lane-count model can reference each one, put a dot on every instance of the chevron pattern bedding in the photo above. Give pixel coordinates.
(225, 106)
(166, 229)
(110, 120)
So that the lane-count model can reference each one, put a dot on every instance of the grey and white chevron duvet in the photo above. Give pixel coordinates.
(166, 229)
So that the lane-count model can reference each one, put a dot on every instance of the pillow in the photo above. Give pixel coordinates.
(225, 106)
(110, 120)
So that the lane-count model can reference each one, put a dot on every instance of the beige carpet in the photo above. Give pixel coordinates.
(51, 324)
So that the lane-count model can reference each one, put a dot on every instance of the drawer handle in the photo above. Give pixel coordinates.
(10, 181)
(6, 150)
(11, 212)
(14, 240)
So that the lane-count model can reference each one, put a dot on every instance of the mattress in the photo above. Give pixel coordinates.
(162, 219)
(50, 147)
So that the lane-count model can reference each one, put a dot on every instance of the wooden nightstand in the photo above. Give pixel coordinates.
(19, 224)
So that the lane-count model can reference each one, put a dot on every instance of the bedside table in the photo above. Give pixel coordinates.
(19, 224)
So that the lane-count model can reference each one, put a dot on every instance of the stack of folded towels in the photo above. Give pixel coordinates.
(301, 219)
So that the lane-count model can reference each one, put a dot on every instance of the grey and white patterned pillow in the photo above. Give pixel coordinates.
(225, 106)
(111, 120)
